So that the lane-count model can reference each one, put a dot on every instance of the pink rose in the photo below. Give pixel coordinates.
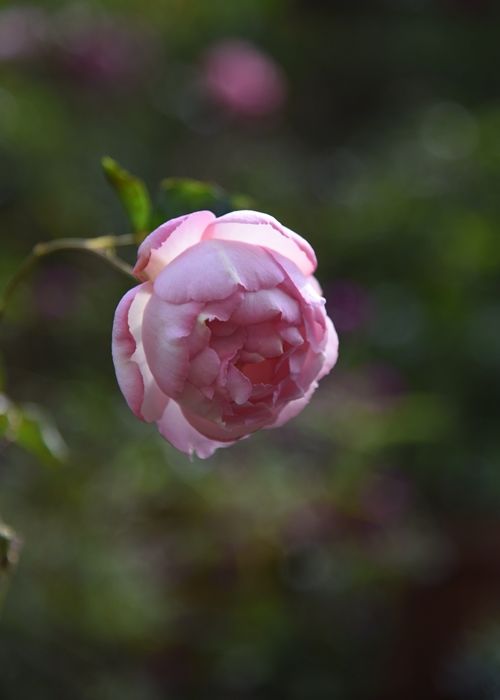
(228, 332)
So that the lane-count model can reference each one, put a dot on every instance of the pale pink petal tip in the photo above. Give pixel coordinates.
(168, 241)
(174, 427)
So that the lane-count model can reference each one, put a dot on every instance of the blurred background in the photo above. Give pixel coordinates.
(354, 553)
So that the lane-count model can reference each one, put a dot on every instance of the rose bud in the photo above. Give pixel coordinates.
(227, 333)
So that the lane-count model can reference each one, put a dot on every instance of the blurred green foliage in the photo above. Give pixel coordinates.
(178, 196)
(28, 427)
(353, 553)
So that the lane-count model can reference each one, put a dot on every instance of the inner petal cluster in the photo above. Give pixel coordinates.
(239, 361)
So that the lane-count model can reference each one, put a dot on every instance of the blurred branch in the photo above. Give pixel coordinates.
(10, 545)
(102, 246)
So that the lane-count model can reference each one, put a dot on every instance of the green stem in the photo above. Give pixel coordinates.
(9, 552)
(102, 246)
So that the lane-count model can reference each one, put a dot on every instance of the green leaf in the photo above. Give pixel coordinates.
(30, 428)
(178, 196)
(133, 195)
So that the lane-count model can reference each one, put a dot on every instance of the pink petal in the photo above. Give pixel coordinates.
(312, 307)
(250, 357)
(331, 351)
(137, 384)
(213, 270)
(308, 367)
(202, 401)
(264, 339)
(291, 335)
(238, 386)
(305, 367)
(293, 408)
(170, 240)
(221, 329)
(261, 392)
(305, 290)
(226, 346)
(127, 372)
(250, 417)
(153, 242)
(260, 372)
(266, 304)
(166, 331)
(223, 432)
(316, 286)
(204, 368)
(264, 230)
(307, 286)
(155, 400)
(175, 428)
(199, 338)
(222, 309)
(288, 391)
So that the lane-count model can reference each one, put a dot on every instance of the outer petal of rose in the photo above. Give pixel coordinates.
(305, 366)
(170, 240)
(202, 401)
(136, 382)
(165, 330)
(222, 309)
(216, 269)
(305, 290)
(331, 351)
(180, 433)
(153, 242)
(316, 285)
(123, 347)
(306, 285)
(293, 408)
(261, 229)
(267, 304)
(223, 433)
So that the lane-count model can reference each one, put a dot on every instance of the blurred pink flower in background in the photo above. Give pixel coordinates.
(23, 31)
(243, 79)
(89, 46)
(96, 48)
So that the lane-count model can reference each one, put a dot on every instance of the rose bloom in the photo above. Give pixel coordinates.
(243, 79)
(227, 333)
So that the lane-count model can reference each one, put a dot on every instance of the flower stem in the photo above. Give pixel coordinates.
(102, 246)
(10, 546)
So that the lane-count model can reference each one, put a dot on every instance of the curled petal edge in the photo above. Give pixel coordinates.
(176, 429)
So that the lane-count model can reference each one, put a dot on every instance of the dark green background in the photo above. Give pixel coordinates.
(354, 553)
